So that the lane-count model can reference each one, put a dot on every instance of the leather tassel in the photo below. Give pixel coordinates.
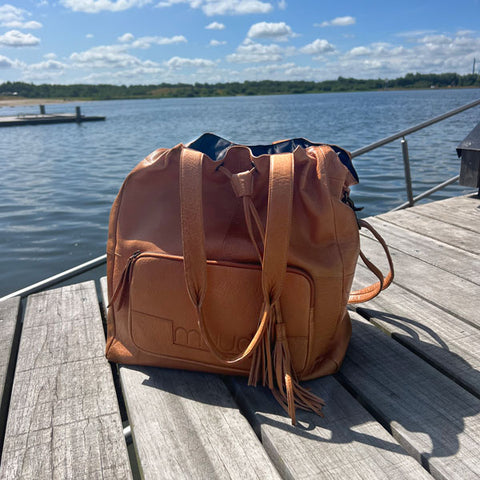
(275, 369)
(289, 393)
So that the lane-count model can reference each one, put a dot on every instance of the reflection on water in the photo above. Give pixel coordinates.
(59, 181)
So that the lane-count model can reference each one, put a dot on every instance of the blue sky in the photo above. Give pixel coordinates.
(154, 41)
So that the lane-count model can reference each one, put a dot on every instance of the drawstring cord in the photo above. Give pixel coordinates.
(273, 366)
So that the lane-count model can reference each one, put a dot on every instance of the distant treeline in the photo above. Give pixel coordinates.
(264, 87)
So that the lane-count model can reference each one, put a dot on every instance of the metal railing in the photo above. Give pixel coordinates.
(406, 160)
(58, 278)
(96, 262)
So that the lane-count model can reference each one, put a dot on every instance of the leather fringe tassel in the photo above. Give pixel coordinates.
(272, 365)
(275, 369)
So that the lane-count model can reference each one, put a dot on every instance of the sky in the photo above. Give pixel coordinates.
(209, 41)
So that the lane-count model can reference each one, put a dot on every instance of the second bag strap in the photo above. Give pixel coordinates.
(277, 237)
(367, 293)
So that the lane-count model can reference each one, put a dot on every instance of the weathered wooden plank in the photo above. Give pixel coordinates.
(448, 343)
(9, 310)
(437, 253)
(187, 425)
(346, 443)
(64, 419)
(467, 202)
(435, 419)
(453, 294)
(434, 228)
(462, 211)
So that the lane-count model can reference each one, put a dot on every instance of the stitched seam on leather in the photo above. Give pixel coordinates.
(340, 254)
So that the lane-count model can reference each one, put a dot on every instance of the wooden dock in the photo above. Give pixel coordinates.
(405, 404)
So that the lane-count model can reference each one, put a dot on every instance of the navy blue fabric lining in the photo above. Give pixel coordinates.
(216, 148)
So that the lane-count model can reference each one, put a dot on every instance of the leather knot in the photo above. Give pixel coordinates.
(242, 183)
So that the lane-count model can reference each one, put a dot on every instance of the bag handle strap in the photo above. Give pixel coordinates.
(367, 293)
(277, 238)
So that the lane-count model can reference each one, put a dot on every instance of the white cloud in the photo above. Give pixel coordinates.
(89, 35)
(414, 33)
(358, 51)
(215, 26)
(47, 70)
(435, 40)
(137, 75)
(31, 25)
(275, 31)
(14, 38)
(9, 13)
(125, 38)
(283, 71)
(463, 33)
(235, 7)
(170, 3)
(108, 56)
(216, 43)
(338, 22)
(251, 52)
(176, 63)
(223, 7)
(430, 53)
(5, 62)
(282, 4)
(147, 42)
(47, 65)
(318, 47)
(95, 6)
(13, 17)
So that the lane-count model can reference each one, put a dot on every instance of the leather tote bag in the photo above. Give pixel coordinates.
(237, 260)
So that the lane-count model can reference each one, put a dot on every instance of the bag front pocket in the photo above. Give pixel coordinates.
(163, 320)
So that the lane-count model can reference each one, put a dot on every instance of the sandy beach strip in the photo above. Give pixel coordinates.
(11, 101)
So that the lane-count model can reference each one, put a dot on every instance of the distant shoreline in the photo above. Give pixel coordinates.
(20, 93)
(16, 101)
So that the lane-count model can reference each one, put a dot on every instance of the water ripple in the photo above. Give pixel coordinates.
(58, 181)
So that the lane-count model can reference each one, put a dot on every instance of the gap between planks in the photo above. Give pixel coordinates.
(11, 312)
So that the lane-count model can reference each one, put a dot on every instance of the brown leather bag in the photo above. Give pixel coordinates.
(237, 260)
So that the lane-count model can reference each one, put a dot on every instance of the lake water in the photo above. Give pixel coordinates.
(58, 181)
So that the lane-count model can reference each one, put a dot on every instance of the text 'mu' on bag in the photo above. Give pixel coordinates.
(237, 260)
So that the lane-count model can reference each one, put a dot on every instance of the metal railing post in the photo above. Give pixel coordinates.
(408, 176)
(427, 193)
